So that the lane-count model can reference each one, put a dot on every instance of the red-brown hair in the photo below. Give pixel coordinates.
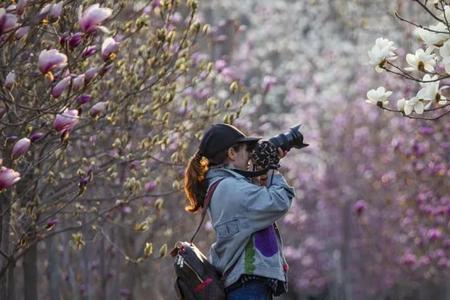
(194, 182)
(194, 177)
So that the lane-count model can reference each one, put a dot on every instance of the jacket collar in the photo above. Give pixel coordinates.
(222, 171)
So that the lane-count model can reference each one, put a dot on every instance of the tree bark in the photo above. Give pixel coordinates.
(30, 273)
(52, 270)
(5, 213)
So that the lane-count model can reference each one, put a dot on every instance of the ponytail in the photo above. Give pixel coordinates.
(194, 182)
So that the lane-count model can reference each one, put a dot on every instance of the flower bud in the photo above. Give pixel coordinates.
(359, 207)
(434, 234)
(7, 21)
(89, 51)
(150, 186)
(83, 99)
(55, 11)
(78, 82)
(20, 148)
(220, 65)
(22, 31)
(268, 81)
(60, 87)
(66, 121)
(10, 80)
(8, 177)
(98, 108)
(75, 39)
(36, 136)
(20, 6)
(90, 74)
(51, 224)
(109, 48)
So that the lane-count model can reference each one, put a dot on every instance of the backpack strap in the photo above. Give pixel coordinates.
(205, 206)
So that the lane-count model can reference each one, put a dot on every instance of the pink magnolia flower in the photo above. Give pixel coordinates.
(22, 31)
(49, 59)
(93, 16)
(78, 82)
(89, 51)
(150, 186)
(10, 80)
(66, 121)
(268, 82)
(156, 3)
(109, 48)
(43, 13)
(20, 6)
(55, 11)
(75, 39)
(20, 147)
(83, 99)
(434, 234)
(60, 87)
(36, 136)
(7, 21)
(408, 259)
(359, 207)
(8, 177)
(220, 65)
(90, 74)
(98, 108)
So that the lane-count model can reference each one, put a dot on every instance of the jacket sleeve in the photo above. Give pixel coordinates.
(265, 205)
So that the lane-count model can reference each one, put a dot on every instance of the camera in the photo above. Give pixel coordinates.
(265, 154)
(291, 139)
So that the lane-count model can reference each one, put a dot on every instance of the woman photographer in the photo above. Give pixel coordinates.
(248, 246)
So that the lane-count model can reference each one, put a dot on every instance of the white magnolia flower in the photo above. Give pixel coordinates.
(382, 51)
(408, 106)
(444, 51)
(430, 91)
(378, 97)
(436, 36)
(421, 60)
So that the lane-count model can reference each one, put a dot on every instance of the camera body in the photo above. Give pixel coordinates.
(265, 153)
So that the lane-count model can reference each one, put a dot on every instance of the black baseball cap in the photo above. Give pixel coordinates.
(221, 137)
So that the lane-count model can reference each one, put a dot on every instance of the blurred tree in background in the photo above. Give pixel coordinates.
(371, 218)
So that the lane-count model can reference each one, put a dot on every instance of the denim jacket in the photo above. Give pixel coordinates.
(243, 216)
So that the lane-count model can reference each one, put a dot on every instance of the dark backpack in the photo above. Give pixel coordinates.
(196, 278)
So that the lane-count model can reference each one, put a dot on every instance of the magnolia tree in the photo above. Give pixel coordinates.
(100, 103)
(427, 66)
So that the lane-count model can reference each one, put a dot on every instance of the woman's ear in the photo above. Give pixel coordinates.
(231, 154)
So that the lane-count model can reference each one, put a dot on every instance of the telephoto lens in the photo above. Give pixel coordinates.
(291, 139)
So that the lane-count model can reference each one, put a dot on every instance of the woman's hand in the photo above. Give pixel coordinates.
(281, 153)
(262, 180)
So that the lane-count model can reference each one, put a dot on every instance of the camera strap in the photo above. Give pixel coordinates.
(251, 174)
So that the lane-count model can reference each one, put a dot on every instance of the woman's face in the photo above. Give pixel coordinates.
(240, 159)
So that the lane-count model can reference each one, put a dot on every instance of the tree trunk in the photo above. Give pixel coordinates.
(11, 284)
(30, 275)
(3, 261)
(5, 213)
(346, 251)
(52, 270)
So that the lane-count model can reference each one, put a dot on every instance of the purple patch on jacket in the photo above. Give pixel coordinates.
(266, 241)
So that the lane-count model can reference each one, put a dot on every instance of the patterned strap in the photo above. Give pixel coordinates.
(205, 207)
